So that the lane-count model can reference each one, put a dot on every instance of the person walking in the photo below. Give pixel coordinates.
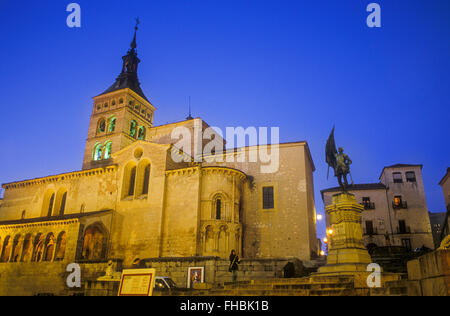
(234, 261)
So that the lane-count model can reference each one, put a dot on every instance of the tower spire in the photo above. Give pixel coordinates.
(133, 43)
(128, 76)
(189, 117)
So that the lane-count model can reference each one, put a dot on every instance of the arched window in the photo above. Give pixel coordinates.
(6, 249)
(47, 204)
(141, 133)
(60, 246)
(143, 178)
(17, 247)
(49, 247)
(60, 205)
(94, 243)
(27, 249)
(101, 126)
(97, 152)
(218, 208)
(108, 148)
(129, 180)
(112, 124)
(39, 244)
(133, 126)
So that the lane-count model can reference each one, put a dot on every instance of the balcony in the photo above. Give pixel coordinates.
(403, 230)
(370, 232)
(399, 205)
(368, 205)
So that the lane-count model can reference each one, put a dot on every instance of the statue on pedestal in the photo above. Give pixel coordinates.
(339, 161)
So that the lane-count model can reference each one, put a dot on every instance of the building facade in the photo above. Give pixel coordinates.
(395, 209)
(134, 201)
(445, 184)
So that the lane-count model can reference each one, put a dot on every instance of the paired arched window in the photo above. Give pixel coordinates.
(143, 178)
(133, 126)
(102, 151)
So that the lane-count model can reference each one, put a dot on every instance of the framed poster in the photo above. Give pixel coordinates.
(137, 282)
(195, 275)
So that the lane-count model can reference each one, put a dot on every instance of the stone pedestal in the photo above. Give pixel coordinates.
(346, 251)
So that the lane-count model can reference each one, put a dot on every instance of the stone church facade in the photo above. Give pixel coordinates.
(134, 205)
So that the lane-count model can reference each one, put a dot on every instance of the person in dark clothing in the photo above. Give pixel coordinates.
(234, 261)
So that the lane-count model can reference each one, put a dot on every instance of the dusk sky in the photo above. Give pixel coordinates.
(302, 66)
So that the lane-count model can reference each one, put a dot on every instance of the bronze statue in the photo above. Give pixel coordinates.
(339, 161)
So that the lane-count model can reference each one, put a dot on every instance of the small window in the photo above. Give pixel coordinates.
(102, 126)
(410, 176)
(23, 214)
(141, 132)
(108, 148)
(268, 198)
(113, 103)
(397, 176)
(106, 105)
(369, 228)
(98, 152)
(218, 209)
(407, 243)
(133, 125)
(398, 200)
(99, 107)
(120, 101)
(112, 124)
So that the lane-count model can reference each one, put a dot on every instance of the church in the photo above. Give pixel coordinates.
(133, 205)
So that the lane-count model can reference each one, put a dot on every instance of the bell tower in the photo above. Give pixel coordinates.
(120, 116)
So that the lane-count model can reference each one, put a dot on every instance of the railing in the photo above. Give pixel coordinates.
(368, 205)
(370, 232)
(397, 206)
(405, 230)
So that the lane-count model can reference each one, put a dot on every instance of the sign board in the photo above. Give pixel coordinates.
(137, 282)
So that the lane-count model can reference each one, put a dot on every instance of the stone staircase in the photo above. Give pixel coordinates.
(308, 286)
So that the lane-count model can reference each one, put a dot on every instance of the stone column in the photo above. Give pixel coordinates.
(346, 250)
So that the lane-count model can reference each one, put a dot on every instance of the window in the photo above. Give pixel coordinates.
(129, 180)
(367, 204)
(141, 132)
(369, 228)
(410, 176)
(97, 152)
(402, 228)
(406, 242)
(268, 198)
(397, 176)
(219, 209)
(102, 126)
(112, 124)
(6, 250)
(27, 249)
(398, 200)
(60, 247)
(49, 247)
(120, 101)
(133, 125)
(23, 214)
(108, 148)
(63, 204)
(50, 205)
(146, 180)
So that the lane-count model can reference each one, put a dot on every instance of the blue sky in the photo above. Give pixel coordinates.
(301, 65)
